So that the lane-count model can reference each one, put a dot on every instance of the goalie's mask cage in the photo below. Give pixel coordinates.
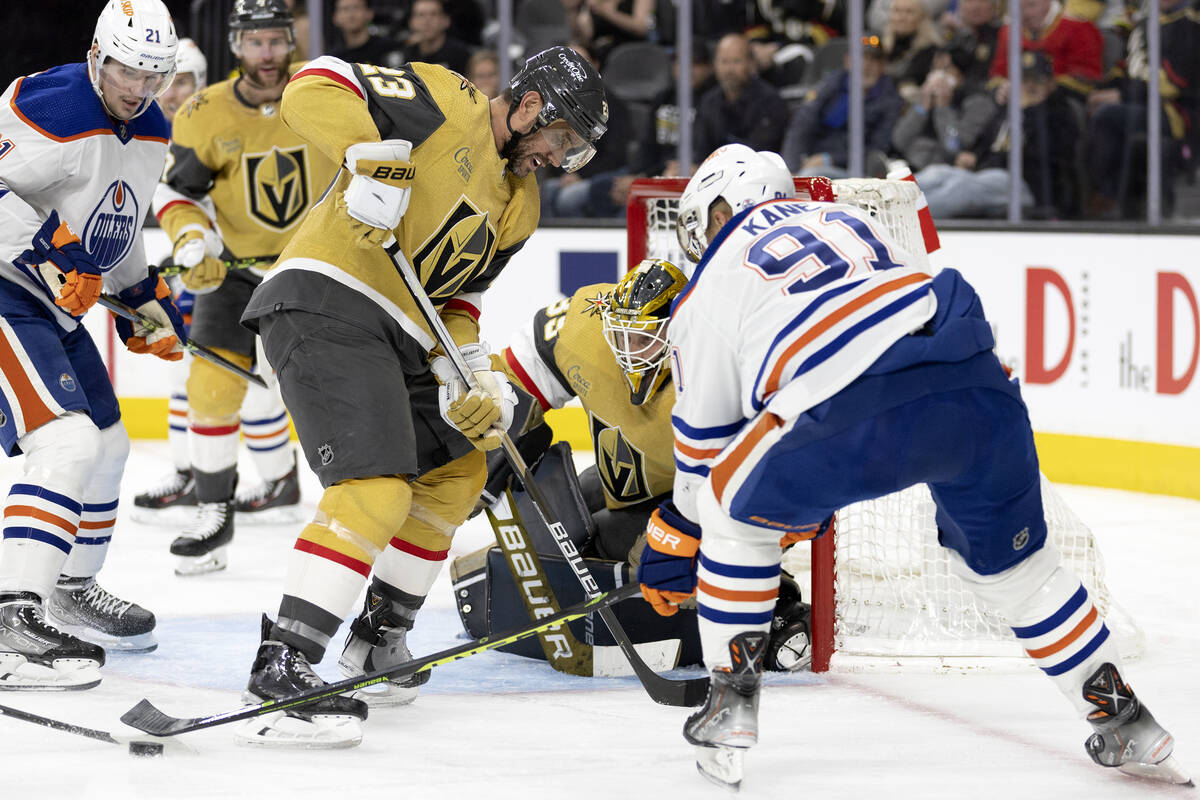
(571, 90)
(257, 15)
(134, 43)
(883, 593)
(635, 325)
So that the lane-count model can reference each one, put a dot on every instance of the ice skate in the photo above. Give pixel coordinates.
(271, 502)
(727, 723)
(82, 608)
(281, 671)
(170, 497)
(377, 641)
(35, 656)
(1127, 737)
(202, 547)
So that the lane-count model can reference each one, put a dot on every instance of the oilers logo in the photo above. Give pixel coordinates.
(109, 231)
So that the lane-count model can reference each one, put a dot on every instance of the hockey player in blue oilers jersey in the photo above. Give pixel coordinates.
(607, 347)
(814, 368)
(81, 150)
(429, 160)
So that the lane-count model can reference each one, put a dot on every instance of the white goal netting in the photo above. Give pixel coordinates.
(895, 597)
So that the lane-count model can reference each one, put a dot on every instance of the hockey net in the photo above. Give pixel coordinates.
(882, 591)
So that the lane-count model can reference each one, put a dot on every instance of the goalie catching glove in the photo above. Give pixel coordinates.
(377, 196)
(198, 251)
(59, 263)
(161, 334)
(667, 570)
(485, 410)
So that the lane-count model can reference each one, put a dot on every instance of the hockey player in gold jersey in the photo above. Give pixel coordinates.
(232, 155)
(429, 159)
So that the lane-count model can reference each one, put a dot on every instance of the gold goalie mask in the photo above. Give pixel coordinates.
(635, 324)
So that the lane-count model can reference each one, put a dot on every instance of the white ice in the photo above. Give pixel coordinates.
(499, 726)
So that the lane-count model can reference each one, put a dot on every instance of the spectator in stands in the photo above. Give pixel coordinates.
(585, 193)
(787, 33)
(1074, 48)
(300, 26)
(977, 185)
(483, 70)
(974, 27)
(467, 21)
(817, 140)
(879, 11)
(1118, 112)
(742, 107)
(948, 117)
(353, 20)
(428, 39)
(601, 25)
(909, 40)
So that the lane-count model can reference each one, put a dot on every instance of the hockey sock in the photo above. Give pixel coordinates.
(99, 515)
(177, 431)
(737, 585)
(214, 397)
(332, 558)
(406, 572)
(265, 429)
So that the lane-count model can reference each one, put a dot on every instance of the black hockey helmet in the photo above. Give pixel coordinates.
(572, 91)
(253, 15)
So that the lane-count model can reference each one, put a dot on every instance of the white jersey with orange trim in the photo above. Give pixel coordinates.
(792, 302)
(59, 151)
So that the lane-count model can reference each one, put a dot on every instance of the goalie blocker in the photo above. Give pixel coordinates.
(489, 600)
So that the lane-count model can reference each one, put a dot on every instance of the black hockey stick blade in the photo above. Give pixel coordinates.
(145, 716)
(666, 691)
(89, 733)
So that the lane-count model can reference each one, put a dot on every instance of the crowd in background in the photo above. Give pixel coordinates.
(774, 74)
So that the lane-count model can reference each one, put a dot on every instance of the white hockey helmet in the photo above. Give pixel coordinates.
(140, 35)
(742, 177)
(191, 59)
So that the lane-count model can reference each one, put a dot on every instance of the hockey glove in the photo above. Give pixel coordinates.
(58, 261)
(198, 252)
(477, 412)
(377, 196)
(667, 570)
(162, 333)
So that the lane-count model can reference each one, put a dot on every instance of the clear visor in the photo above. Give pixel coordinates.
(640, 345)
(569, 149)
(689, 230)
(130, 82)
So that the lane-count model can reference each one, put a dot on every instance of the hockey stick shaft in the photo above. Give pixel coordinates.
(133, 315)
(67, 727)
(146, 717)
(233, 263)
(662, 690)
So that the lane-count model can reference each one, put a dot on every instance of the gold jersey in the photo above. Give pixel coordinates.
(564, 355)
(467, 215)
(260, 177)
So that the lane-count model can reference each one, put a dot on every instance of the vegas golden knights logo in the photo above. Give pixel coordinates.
(622, 466)
(457, 253)
(277, 186)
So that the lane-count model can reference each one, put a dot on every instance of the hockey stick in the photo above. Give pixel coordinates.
(146, 717)
(78, 730)
(233, 263)
(132, 314)
(690, 692)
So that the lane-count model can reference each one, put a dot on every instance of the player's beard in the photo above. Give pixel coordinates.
(516, 150)
(255, 78)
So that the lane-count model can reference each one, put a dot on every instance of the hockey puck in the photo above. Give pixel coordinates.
(145, 749)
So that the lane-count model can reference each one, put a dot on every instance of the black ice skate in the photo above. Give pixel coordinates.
(177, 490)
(81, 607)
(35, 655)
(727, 724)
(202, 546)
(1127, 737)
(272, 501)
(378, 641)
(281, 671)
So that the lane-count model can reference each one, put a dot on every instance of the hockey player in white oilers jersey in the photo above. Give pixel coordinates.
(814, 368)
(82, 149)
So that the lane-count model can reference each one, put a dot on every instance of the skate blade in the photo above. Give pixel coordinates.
(212, 561)
(1165, 771)
(279, 730)
(68, 674)
(280, 515)
(380, 695)
(722, 766)
(141, 643)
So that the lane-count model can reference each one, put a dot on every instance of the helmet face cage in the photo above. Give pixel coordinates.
(635, 320)
(255, 15)
(571, 90)
(134, 42)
